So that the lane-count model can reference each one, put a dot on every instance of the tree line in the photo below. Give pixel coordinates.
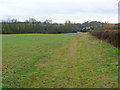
(12, 26)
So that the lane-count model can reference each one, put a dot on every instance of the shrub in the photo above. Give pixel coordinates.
(110, 36)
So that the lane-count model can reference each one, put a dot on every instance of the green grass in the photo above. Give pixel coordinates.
(58, 61)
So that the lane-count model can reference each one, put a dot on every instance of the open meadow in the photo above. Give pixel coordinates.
(76, 60)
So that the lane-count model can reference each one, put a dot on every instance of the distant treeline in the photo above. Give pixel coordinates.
(32, 26)
(19, 28)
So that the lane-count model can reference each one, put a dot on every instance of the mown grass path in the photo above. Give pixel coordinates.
(58, 61)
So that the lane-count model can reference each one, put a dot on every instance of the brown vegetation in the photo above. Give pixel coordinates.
(110, 36)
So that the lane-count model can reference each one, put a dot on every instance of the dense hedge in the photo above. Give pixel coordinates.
(110, 36)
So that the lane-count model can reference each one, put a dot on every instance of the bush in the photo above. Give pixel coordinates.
(110, 36)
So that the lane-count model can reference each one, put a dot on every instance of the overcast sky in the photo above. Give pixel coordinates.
(78, 11)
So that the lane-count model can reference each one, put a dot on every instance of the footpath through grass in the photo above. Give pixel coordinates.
(58, 61)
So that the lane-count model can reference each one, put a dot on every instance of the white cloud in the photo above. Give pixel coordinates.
(60, 10)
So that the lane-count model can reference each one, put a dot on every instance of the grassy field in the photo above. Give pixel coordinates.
(58, 61)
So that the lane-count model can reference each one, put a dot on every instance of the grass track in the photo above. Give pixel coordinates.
(60, 60)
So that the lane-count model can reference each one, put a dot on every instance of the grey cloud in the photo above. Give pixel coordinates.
(58, 9)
